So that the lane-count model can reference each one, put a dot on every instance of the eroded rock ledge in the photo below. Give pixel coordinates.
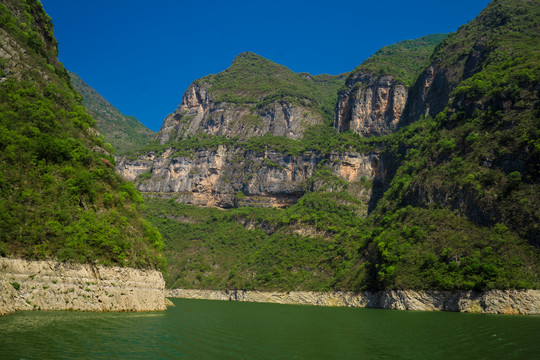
(492, 302)
(50, 285)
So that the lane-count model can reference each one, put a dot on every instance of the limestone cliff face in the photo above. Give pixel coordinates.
(492, 302)
(429, 95)
(50, 285)
(216, 177)
(371, 105)
(200, 113)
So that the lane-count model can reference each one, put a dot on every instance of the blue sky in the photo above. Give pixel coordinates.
(142, 55)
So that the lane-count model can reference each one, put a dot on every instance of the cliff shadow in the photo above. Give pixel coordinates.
(387, 168)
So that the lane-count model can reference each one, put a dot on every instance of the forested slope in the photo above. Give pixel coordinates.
(60, 196)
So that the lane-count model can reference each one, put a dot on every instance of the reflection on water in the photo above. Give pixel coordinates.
(199, 329)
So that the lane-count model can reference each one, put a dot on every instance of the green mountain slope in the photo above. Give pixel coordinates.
(252, 79)
(60, 196)
(321, 244)
(479, 156)
(403, 60)
(124, 133)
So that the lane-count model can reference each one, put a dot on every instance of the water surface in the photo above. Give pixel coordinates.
(203, 329)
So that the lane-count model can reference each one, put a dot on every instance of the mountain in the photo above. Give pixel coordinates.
(278, 123)
(253, 97)
(462, 207)
(124, 133)
(436, 187)
(257, 111)
(60, 197)
(475, 152)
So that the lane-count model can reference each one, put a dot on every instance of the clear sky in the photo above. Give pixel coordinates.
(142, 55)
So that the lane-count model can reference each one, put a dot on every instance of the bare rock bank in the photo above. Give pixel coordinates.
(491, 302)
(50, 285)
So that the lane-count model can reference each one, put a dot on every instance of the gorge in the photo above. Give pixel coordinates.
(415, 172)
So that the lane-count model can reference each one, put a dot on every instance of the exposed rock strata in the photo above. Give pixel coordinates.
(493, 302)
(50, 285)
(371, 106)
(199, 113)
(215, 177)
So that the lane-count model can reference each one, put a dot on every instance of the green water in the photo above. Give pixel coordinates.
(201, 329)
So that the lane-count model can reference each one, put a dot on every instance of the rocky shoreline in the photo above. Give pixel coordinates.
(525, 302)
(51, 285)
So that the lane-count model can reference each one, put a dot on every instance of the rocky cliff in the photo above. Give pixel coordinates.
(376, 92)
(50, 285)
(526, 302)
(256, 97)
(429, 94)
(232, 176)
(371, 106)
(199, 113)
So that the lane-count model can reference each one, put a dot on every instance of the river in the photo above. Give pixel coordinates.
(204, 329)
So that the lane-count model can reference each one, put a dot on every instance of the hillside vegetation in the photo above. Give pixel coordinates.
(254, 80)
(320, 244)
(403, 60)
(479, 156)
(60, 196)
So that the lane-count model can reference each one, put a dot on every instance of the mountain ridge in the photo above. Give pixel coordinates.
(124, 133)
(253, 97)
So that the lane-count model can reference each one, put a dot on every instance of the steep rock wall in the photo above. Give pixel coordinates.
(371, 105)
(50, 285)
(430, 94)
(493, 302)
(199, 113)
(215, 177)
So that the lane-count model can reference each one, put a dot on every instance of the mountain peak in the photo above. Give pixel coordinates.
(249, 59)
(248, 56)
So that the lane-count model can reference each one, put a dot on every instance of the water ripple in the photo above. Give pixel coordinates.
(199, 329)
